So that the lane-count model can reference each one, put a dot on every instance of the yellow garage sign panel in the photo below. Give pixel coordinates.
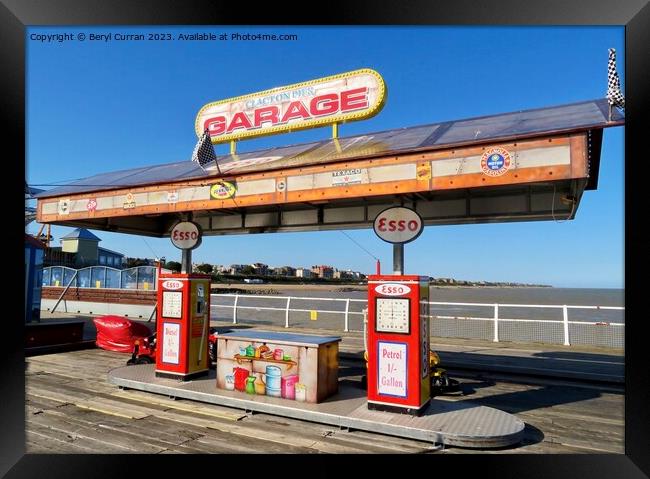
(345, 97)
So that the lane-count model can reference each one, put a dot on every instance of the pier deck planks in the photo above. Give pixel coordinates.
(70, 408)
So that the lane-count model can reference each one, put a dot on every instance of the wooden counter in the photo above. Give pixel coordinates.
(314, 359)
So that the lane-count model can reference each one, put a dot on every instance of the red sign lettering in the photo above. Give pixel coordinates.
(348, 96)
(216, 125)
(266, 114)
(398, 225)
(239, 120)
(185, 235)
(354, 99)
(392, 289)
(296, 110)
(326, 104)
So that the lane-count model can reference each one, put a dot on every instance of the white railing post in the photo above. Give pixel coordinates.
(347, 315)
(286, 313)
(565, 313)
(234, 310)
(496, 323)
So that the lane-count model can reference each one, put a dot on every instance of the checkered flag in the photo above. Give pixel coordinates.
(203, 151)
(614, 95)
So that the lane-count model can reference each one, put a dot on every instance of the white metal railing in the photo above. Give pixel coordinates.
(287, 308)
(565, 315)
(613, 337)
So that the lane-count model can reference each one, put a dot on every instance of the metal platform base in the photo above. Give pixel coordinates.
(460, 423)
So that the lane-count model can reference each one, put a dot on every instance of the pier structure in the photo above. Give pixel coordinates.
(519, 166)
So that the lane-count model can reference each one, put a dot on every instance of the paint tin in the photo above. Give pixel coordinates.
(273, 379)
(301, 392)
(288, 386)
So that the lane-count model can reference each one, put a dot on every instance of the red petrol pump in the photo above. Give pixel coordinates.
(182, 325)
(398, 324)
(183, 313)
(398, 343)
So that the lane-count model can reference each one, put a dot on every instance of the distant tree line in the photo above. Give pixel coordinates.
(175, 266)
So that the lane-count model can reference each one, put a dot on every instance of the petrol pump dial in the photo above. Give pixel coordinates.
(393, 315)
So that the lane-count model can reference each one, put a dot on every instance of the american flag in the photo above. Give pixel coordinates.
(203, 151)
(614, 95)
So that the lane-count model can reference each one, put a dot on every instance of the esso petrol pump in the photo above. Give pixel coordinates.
(398, 343)
(182, 325)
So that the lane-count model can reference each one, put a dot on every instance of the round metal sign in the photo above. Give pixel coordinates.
(186, 235)
(398, 225)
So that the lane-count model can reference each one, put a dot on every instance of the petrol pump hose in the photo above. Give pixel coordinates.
(365, 334)
(203, 338)
(365, 329)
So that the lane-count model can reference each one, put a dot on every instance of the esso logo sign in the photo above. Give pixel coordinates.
(186, 235)
(392, 289)
(398, 225)
(172, 284)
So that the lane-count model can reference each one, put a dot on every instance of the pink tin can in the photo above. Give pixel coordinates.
(288, 386)
(278, 354)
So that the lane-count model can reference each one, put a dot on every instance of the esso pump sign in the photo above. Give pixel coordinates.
(172, 284)
(392, 289)
(186, 235)
(398, 225)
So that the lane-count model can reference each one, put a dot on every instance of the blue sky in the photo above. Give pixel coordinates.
(96, 106)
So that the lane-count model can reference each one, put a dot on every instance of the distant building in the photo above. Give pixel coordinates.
(260, 269)
(284, 271)
(303, 273)
(342, 275)
(110, 258)
(84, 244)
(79, 249)
(235, 269)
(322, 271)
(348, 274)
(356, 274)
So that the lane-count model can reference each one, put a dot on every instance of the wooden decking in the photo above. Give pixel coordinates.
(70, 408)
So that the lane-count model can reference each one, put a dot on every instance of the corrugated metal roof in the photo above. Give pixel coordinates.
(581, 116)
(30, 191)
(81, 233)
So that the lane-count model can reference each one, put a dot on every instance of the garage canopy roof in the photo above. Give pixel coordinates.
(575, 117)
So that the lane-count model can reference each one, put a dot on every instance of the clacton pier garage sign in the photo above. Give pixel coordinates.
(340, 98)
